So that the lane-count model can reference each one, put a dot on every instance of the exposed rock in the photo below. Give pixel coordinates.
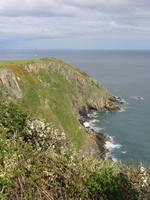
(83, 115)
(117, 100)
(140, 98)
(8, 80)
(112, 107)
(97, 139)
(96, 143)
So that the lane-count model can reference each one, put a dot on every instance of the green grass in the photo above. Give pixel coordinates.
(51, 87)
(56, 92)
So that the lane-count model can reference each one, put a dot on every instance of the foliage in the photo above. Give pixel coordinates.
(108, 186)
(57, 91)
(37, 162)
(12, 117)
(42, 135)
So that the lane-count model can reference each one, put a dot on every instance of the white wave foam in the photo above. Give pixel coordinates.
(114, 159)
(124, 102)
(94, 120)
(123, 152)
(86, 124)
(109, 155)
(94, 114)
(123, 109)
(111, 145)
(98, 129)
(94, 126)
(121, 100)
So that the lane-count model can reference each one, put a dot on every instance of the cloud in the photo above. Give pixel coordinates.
(15, 8)
(51, 8)
(86, 20)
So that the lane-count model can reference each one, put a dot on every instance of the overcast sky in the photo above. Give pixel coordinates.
(74, 24)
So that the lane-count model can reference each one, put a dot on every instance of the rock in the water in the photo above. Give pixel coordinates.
(140, 98)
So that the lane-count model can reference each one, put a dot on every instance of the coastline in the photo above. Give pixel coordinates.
(100, 139)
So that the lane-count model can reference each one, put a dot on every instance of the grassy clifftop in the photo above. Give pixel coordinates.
(55, 90)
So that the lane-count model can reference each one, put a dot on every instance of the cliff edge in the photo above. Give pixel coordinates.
(60, 93)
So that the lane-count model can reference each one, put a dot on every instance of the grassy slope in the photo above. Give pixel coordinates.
(50, 87)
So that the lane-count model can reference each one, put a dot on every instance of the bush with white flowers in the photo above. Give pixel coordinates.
(42, 135)
(144, 177)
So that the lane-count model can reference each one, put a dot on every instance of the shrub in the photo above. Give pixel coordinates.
(108, 186)
(37, 162)
(13, 118)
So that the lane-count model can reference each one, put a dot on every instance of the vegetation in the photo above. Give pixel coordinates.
(56, 91)
(40, 156)
(37, 162)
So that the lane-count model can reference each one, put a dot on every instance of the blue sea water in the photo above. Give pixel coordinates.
(125, 73)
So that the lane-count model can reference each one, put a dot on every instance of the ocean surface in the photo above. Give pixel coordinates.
(125, 74)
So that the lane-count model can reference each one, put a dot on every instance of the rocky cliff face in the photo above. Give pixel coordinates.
(9, 80)
(87, 88)
(62, 94)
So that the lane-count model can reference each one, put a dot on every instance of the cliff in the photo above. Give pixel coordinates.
(43, 104)
(60, 93)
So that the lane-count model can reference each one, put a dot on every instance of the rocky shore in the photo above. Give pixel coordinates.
(99, 138)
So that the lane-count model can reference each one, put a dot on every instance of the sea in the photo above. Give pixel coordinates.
(126, 74)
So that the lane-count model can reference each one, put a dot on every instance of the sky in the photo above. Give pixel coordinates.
(74, 24)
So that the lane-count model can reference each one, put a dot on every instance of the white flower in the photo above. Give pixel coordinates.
(63, 136)
(142, 169)
(144, 181)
